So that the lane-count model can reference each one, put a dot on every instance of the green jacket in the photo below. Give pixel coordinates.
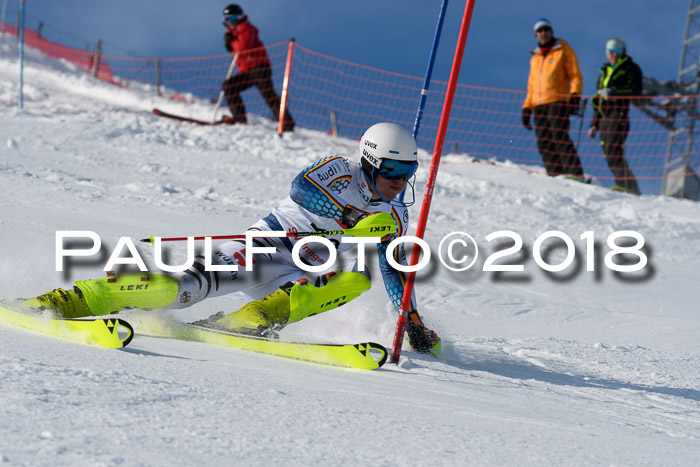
(622, 81)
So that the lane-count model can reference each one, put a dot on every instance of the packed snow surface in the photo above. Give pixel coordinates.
(575, 367)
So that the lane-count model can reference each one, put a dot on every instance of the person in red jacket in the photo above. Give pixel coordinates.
(254, 68)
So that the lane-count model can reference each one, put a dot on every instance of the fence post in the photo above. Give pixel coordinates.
(96, 58)
(3, 18)
(581, 114)
(158, 80)
(334, 124)
(285, 86)
(20, 24)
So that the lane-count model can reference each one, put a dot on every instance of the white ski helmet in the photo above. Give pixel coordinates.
(616, 44)
(387, 141)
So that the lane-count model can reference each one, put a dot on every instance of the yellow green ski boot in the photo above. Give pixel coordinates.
(261, 317)
(108, 295)
(62, 303)
(293, 302)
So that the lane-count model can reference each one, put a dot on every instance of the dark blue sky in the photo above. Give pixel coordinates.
(393, 35)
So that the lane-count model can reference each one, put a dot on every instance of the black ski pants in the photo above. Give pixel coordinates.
(260, 77)
(553, 142)
(614, 128)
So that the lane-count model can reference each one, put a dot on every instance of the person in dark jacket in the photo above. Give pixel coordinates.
(619, 82)
(553, 93)
(254, 68)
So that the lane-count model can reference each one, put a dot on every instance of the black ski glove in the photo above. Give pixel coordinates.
(352, 215)
(526, 118)
(422, 339)
(574, 104)
(228, 37)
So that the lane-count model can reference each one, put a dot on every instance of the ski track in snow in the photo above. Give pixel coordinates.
(538, 369)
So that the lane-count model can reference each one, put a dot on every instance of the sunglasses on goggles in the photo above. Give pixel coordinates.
(231, 19)
(392, 169)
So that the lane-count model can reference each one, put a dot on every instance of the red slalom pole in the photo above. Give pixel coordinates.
(432, 179)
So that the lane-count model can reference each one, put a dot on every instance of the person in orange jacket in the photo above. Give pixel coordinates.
(254, 68)
(553, 93)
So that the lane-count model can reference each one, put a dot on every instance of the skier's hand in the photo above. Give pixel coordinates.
(592, 132)
(353, 215)
(422, 339)
(228, 37)
(526, 118)
(574, 104)
(604, 93)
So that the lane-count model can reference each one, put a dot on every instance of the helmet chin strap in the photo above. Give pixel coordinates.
(394, 202)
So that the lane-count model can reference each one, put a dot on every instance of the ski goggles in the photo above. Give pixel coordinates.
(615, 51)
(231, 19)
(392, 169)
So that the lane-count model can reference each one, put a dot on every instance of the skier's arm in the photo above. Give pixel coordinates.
(636, 80)
(632, 86)
(311, 189)
(228, 38)
(245, 39)
(573, 70)
(394, 279)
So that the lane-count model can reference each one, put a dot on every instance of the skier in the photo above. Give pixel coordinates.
(333, 193)
(254, 68)
(620, 80)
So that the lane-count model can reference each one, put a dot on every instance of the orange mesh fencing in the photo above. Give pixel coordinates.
(82, 58)
(333, 95)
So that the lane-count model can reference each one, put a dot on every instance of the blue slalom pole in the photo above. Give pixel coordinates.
(426, 80)
(429, 71)
(21, 54)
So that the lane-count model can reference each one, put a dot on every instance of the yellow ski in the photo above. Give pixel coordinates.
(365, 356)
(112, 333)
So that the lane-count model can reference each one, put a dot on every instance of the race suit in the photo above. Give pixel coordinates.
(316, 202)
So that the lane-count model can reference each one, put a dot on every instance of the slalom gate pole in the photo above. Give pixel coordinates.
(428, 74)
(429, 70)
(285, 87)
(432, 178)
(20, 100)
(221, 93)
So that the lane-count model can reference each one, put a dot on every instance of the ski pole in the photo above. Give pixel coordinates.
(376, 225)
(228, 75)
(580, 125)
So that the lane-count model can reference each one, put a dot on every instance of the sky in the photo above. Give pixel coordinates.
(393, 35)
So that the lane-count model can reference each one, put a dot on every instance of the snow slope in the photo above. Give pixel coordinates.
(568, 368)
